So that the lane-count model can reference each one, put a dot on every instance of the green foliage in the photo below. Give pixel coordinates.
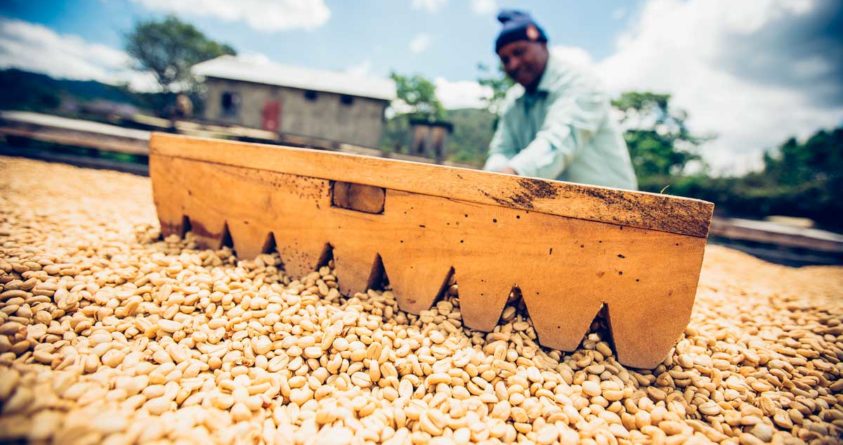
(28, 91)
(396, 134)
(469, 142)
(808, 177)
(169, 48)
(819, 160)
(798, 179)
(659, 142)
(23, 90)
(419, 94)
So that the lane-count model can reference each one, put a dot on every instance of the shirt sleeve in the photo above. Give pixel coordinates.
(571, 121)
(502, 147)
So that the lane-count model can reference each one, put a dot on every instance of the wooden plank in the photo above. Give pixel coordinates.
(51, 155)
(566, 268)
(783, 255)
(79, 139)
(626, 208)
(770, 233)
(38, 120)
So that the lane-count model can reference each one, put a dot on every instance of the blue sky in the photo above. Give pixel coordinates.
(374, 32)
(751, 72)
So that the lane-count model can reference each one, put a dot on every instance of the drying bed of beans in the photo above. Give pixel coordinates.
(109, 334)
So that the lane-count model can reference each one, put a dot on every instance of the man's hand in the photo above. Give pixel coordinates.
(508, 171)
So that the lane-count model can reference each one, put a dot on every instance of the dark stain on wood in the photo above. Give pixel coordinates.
(200, 230)
(529, 190)
(168, 229)
(668, 215)
(538, 188)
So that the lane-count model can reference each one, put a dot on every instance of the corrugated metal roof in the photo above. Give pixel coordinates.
(260, 71)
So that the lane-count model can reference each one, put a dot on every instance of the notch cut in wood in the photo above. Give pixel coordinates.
(570, 249)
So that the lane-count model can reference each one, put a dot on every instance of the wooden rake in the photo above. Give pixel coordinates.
(570, 249)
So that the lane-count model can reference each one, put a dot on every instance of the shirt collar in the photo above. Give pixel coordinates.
(547, 75)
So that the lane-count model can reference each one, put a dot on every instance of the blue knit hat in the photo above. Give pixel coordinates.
(517, 25)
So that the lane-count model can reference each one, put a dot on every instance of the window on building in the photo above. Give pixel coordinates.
(230, 104)
(346, 100)
(311, 95)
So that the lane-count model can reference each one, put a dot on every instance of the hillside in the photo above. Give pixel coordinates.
(473, 129)
(24, 90)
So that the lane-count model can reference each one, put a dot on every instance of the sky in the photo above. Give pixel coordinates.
(752, 73)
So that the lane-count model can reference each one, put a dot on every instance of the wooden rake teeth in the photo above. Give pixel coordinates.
(568, 261)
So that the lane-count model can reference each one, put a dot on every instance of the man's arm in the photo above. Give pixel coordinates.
(571, 121)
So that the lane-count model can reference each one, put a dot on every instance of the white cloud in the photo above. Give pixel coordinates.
(461, 93)
(255, 58)
(398, 107)
(573, 55)
(484, 7)
(261, 15)
(37, 48)
(429, 5)
(420, 43)
(678, 47)
(360, 69)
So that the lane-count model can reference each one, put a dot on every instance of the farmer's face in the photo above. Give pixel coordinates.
(524, 62)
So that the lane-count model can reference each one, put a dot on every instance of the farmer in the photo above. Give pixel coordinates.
(555, 122)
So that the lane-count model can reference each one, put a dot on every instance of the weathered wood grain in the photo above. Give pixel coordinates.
(633, 209)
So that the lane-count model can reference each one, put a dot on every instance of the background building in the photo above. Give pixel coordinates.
(293, 100)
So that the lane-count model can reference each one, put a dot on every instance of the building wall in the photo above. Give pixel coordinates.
(326, 116)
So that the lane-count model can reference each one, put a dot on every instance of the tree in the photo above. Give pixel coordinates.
(169, 48)
(416, 101)
(801, 179)
(807, 177)
(819, 159)
(419, 95)
(659, 142)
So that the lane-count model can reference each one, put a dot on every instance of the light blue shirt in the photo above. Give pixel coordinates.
(564, 130)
